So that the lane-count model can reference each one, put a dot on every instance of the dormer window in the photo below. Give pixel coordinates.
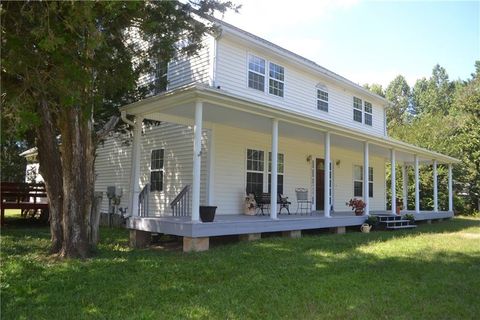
(322, 99)
(256, 73)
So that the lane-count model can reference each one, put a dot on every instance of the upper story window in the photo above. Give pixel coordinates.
(368, 113)
(256, 73)
(322, 100)
(357, 109)
(276, 80)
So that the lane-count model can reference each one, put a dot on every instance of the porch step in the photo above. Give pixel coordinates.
(408, 226)
(393, 222)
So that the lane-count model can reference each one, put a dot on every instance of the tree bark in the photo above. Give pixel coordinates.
(78, 180)
(50, 163)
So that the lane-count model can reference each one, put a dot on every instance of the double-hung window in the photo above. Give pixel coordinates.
(157, 170)
(322, 100)
(256, 73)
(357, 109)
(255, 168)
(368, 113)
(280, 169)
(358, 181)
(276, 79)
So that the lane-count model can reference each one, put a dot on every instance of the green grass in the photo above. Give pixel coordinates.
(429, 273)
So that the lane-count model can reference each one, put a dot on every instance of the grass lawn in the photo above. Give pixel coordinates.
(429, 273)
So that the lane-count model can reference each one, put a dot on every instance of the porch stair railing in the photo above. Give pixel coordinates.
(143, 201)
(180, 205)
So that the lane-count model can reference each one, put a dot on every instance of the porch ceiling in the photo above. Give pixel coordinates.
(226, 109)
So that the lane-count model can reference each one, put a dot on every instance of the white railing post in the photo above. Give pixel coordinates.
(326, 167)
(435, 187)
(417, 185)
(405, 186)
(366, 184)
(135, 167)
(450, 188)
(393, 186)
(274, 171)
(197, 159)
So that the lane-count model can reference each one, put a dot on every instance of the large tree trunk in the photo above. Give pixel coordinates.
(51, 170)
(78, 158)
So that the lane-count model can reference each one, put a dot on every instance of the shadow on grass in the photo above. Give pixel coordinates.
(313, 277)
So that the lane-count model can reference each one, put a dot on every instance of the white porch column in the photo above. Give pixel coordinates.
(417, 185)
(197, 159)
(326, 171)
(394, 181)
(450, 188)
(435, 187)
(405, 186)
(366, 183)
(135, 169)
(274, 171)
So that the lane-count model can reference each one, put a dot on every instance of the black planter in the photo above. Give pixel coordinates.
(207, 213)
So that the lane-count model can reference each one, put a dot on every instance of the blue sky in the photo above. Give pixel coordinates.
(371, 41)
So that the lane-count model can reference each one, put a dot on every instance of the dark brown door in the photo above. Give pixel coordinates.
(320, 185)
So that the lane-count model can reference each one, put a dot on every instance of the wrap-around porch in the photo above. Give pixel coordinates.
(202, 107)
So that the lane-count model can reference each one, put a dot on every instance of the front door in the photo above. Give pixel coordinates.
(320, 185)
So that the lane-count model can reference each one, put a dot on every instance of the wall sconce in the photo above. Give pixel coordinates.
(337, 163)
(309, 158)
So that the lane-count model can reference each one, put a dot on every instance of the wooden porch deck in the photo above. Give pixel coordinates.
(242, 224)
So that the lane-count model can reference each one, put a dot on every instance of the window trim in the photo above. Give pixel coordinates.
(254, 171)
(161, 170)
(264, 75)
(318, 99)
(370, 182)
(266, 80)
(362, 109)
(270, 78)
(367, 113)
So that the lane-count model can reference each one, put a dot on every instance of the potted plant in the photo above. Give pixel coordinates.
(207, 213)
(410, 217)
(357, 205)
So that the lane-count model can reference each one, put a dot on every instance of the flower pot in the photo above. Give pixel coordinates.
(359, 212)
(207, 213)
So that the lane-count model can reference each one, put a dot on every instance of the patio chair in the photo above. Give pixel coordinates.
(303, 202)
(284, 203)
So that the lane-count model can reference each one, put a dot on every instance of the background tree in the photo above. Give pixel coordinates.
(398, 92)
(65, 66)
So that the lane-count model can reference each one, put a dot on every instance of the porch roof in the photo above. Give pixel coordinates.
(188, 95)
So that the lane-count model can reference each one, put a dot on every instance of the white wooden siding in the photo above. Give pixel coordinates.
(112, 167)
(177, 141)
(113, 163)
(230, 177)
(300, 88)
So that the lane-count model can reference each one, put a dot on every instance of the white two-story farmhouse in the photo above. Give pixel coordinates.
(247, 116)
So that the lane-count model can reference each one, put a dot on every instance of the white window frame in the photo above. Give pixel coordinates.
(321, 99)
(279, 172)
(161, 169)
(357, 109)
(370, 182)
(276, 79)
(266, 76)
(249, 70)
(254, 171)
(368, 114)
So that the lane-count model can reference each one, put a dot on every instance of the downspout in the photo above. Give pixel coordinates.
(123, 115)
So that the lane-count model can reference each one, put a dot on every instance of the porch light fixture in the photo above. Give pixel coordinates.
(309, 158)
(337, 163)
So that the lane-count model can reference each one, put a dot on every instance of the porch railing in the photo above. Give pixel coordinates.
(180, 205)
(143, 201)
